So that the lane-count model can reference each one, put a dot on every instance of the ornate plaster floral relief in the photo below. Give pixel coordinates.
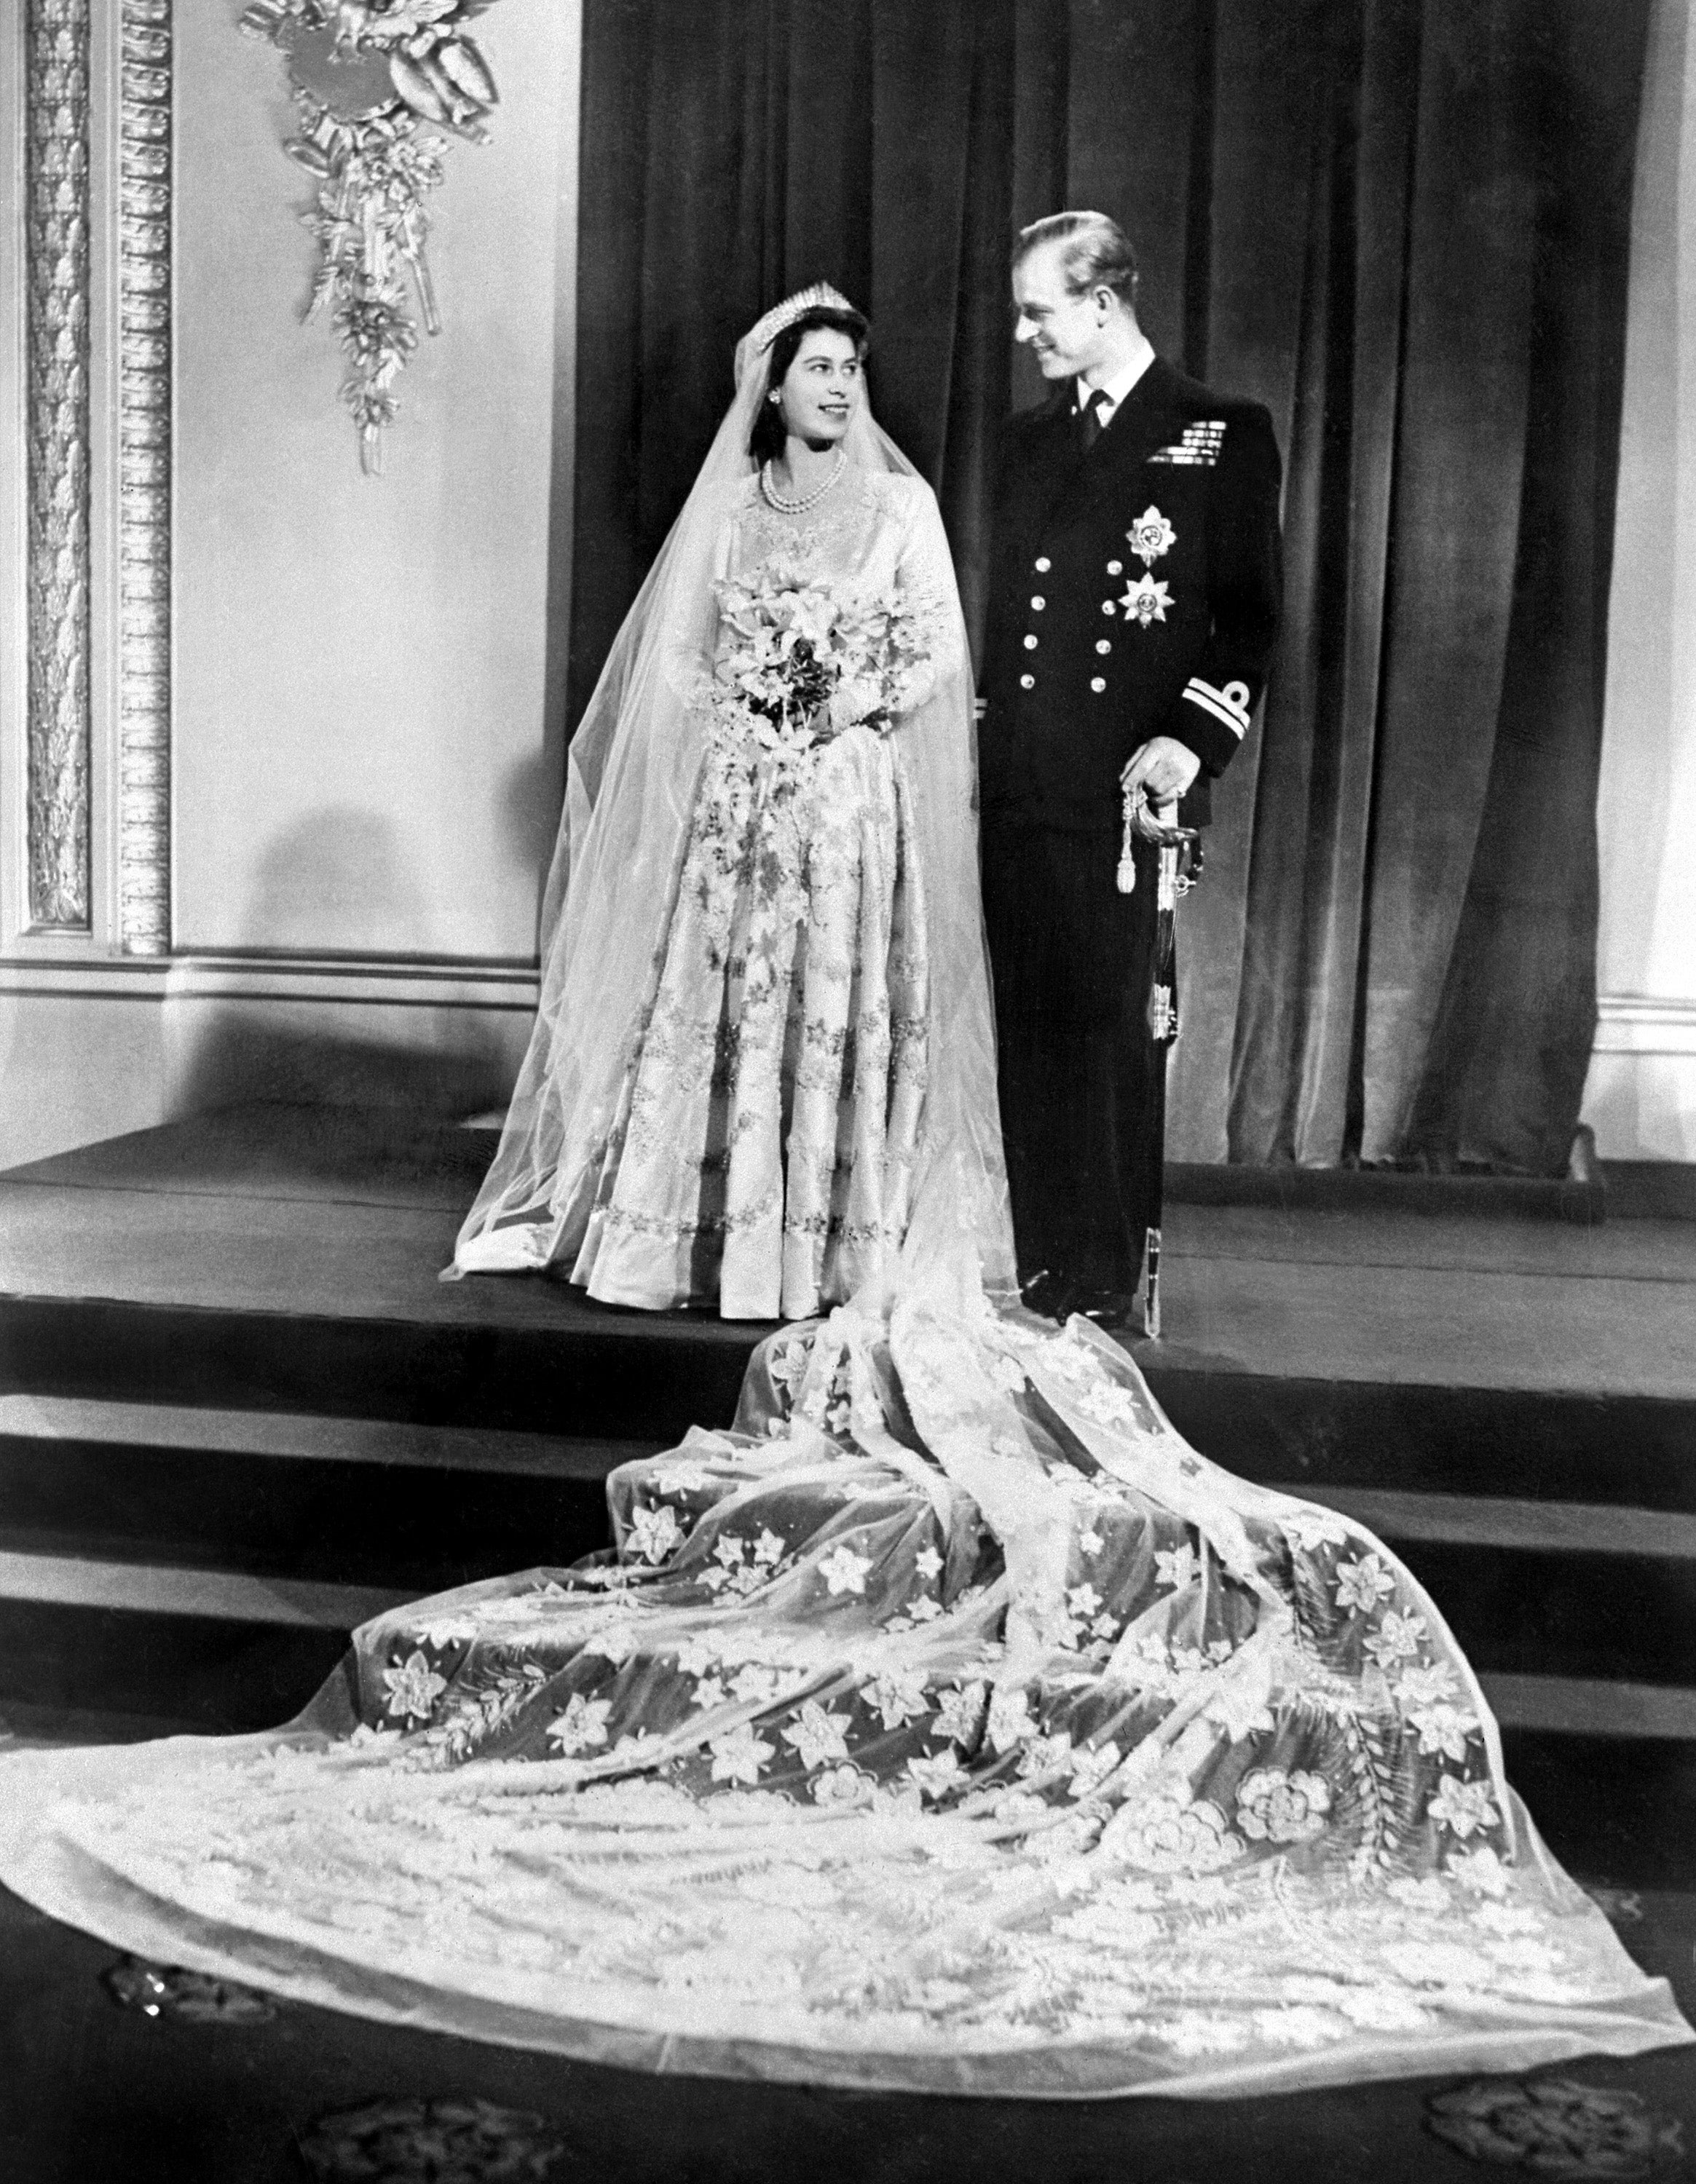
(378, 87)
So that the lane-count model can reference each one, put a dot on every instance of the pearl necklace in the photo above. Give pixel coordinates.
(775, 499)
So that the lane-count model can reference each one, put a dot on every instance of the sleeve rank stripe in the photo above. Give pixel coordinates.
(1235, 721)
(1200, 685)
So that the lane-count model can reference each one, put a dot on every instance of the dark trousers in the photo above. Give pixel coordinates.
(1081, 1115)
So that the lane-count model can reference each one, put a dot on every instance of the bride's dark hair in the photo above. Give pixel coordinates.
(766, 442)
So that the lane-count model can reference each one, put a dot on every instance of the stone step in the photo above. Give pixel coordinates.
(1484, 1520)
(589, 1373)
(1529, 1586)
(1574, 1706)
(100, 1423)
(168, 1589)
(1555, 1445)
(67, 1613)
(411, 1507)
(586, 1371)
(1583, 1200)
(219, 1649)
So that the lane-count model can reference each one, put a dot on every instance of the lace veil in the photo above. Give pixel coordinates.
(631, 779)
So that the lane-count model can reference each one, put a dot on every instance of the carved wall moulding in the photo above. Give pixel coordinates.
(372, 84)
(56, 309)
(145, 478)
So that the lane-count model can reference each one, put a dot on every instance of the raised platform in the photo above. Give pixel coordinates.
(238, 1413)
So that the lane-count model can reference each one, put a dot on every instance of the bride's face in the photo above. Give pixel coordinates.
(821, 389)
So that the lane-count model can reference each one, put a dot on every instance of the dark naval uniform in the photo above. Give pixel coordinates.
(1136, 592)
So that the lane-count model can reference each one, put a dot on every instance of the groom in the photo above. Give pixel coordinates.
(1133, 604)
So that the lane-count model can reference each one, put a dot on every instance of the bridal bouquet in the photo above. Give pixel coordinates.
(801, 663)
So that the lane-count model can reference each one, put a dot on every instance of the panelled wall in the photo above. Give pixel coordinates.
(279, 743)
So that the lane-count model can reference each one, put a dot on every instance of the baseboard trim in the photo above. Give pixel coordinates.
(1640, 1092)
(363, 981)
(1644, 1024)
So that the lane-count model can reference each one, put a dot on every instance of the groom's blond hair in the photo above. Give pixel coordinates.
(1096, 251)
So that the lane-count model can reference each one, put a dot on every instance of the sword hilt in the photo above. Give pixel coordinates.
(1141, 820)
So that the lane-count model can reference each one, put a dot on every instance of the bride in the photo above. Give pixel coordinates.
(764, 1034)
(946, 1723)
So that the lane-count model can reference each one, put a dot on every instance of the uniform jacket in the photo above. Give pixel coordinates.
(1134, 592)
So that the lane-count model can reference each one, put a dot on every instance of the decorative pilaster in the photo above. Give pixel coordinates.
(56, 227)
(144, 479)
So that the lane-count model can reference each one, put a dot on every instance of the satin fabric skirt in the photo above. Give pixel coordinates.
(761, 1157)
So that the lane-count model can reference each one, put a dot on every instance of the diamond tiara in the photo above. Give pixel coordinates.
(820, 297)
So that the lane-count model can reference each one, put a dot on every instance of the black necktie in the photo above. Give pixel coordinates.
(1090, 421)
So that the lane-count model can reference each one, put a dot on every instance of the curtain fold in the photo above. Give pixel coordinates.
(1503, 1074)
(1460, 456)
(1402, 225)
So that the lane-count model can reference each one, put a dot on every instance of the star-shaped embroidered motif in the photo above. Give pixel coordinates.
(1151, 535)
(1146, 601)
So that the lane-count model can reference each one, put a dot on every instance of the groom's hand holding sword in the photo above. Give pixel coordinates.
(1163, 767)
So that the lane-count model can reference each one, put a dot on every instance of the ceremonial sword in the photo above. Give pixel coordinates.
(1179, 866)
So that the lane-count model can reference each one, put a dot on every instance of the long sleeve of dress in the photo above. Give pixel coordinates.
(925, 578)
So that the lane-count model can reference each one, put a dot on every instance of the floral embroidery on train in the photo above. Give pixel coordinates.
(827, 1777)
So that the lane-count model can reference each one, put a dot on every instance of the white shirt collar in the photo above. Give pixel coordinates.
(1116, 388)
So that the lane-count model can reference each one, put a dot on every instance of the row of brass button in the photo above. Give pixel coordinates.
(1097, 683)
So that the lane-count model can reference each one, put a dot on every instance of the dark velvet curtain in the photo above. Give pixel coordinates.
(736, 150)
(1402, 224)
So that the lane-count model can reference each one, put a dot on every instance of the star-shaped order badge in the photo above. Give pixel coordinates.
(1145, 600)
(1149, 536)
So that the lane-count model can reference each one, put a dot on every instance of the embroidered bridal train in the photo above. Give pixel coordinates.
(949, 1724)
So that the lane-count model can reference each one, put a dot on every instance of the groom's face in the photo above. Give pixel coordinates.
(1068, 333)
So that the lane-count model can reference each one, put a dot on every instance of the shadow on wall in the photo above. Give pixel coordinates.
(332, 885)
(333, 882)
(530, 805)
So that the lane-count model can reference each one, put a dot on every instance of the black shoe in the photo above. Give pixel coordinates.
(1048, 1295)
(1107, 1309)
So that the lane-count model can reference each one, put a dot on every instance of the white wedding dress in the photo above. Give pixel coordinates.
(945, 1723)
(764, 1056)
(761, 1153)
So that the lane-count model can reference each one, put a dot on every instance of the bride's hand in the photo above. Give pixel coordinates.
(852, 702)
